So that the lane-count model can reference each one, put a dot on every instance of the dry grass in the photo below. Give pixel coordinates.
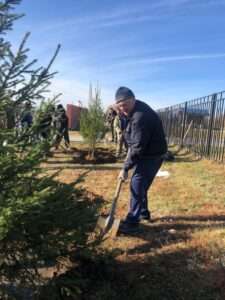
(181, 255)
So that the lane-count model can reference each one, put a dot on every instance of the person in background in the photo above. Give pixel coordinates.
(119, 125)
(45, 124)
(61, 125)
(26, 116)
(110, 116)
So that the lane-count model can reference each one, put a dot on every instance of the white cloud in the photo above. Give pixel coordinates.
(118, 15)
(112, 76)
(182, 58)
(158, 60)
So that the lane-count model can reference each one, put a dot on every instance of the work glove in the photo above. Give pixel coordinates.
(123, 175)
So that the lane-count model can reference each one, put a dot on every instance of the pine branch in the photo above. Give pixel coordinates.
(13, 72)
(7, 18)
(17, 61)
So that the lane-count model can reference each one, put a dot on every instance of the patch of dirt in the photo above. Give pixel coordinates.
(102, 156)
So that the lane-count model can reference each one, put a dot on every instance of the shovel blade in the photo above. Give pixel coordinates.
(101, 223)
(104, 227)
(115, 228)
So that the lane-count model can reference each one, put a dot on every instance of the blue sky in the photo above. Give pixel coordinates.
(166, 51)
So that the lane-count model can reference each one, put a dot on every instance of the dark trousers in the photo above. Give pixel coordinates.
(142, 178)
(63, 133)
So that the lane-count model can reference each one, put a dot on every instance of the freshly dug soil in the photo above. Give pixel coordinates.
(102, 156)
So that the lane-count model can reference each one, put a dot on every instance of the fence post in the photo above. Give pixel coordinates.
(170, 113)
(184, 124)
(212, 114)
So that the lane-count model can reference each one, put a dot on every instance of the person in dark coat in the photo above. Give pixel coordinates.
(61, 124)
(26, 116)
(147, 144)
(45, 124)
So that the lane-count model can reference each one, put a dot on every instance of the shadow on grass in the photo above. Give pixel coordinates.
(169, 276)
(187, 159)
(124, 275)
(47, 252)
(55, 224)
(158, 235)
(184, 155)
(148, 271)
(198, 218)
(109, 167)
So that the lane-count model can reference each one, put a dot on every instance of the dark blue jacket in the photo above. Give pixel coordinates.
(26, 119)
(144, 135)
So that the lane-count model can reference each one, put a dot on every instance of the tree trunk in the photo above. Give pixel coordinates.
(10, 117)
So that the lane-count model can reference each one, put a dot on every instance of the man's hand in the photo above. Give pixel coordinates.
(123, 175)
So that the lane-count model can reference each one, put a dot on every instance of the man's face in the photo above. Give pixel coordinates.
(126, 106)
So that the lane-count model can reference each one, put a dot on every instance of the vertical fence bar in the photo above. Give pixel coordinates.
(207, 117)
(170, 117)
(212, 114)
(223, 133)
(184, 124)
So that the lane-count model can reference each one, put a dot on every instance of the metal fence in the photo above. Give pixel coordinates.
(198, 125)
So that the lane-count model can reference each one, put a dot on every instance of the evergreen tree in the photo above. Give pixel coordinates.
(39, 217)
(20, 155)
(92, 125)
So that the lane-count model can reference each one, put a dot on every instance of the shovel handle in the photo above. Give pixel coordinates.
(120, 181)
(116, 196)
(118, 188)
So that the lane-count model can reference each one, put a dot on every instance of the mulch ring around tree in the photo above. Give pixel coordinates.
(102, 156)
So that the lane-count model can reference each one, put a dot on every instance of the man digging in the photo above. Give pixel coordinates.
(147, 144)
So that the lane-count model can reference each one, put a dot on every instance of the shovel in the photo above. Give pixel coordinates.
(110, 223)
